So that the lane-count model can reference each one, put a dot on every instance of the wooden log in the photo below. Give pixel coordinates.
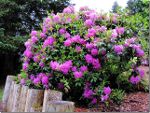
(16, 96)
(23, 97)
(34, 102)
(50, 95)
(10, 98)
(60, 106)
(6, 93)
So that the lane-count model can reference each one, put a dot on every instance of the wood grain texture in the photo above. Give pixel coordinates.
(34, 101)
(23, 97)
(60, 106)
(6, 93)
(50, 95)
(16, 96)
(10, 98)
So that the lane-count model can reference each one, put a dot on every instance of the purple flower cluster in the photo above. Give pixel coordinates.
(107, 92)
(39, 79)
(118, 49)
(64, 67)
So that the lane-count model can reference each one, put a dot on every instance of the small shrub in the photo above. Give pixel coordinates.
(117, 95)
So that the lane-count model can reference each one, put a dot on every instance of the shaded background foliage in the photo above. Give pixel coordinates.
(17, 19)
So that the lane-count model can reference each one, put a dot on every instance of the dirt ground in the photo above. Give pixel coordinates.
(134, 102)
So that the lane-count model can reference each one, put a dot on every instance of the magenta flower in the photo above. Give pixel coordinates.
(74, 68)
(94, 101)
(76, 38)
(41, 64)
(88, 93)
(83, 68)
(69, 9)
(25, 66)
(45, 80)
(33, 33)
(78, 49)
(34, 39)
(82, 41)
(104, 97)
(67, 35)
(28, 53)
(88, 58)
(114, 34)
(94, 52)
(120, 30)
(56, 18)
(66, 66)
(135, 80)
(32, 77)
(42, 35)
(96, 64)
(40, 75)
(36, 58)
(118, 49)
(62, 31)
(48, 42)
(37, 81)
(92, 16)
(103, 28)
(54, 65)
(107, 90)
(68, 42)
(91, 32)
(78, 74)
(103, 51)
(28, 43)
(89, 45)
(22, 81)
(141, 72)
(88, 23)
(139, 52)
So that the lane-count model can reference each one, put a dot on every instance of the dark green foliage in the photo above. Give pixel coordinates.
(18, 17)
(114, 7)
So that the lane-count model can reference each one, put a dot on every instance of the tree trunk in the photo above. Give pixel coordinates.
(23, 97)
(6, 93)
(10, 98)
(16, 96)
(60, 106)
(34, 100)
(50, 95)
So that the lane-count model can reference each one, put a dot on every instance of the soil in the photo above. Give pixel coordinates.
(133, 102)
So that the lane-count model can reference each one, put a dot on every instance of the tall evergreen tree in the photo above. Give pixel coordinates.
(114, 7)
(20, 16)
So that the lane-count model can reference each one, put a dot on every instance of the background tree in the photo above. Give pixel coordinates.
(115, 7)
(18, 17)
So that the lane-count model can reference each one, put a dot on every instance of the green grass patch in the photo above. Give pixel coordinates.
(1, 93)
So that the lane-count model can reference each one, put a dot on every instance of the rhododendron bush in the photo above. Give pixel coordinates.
(84, 54)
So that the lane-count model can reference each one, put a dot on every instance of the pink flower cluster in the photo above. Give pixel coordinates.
(64, 67)
(107, 92)
(40, 78)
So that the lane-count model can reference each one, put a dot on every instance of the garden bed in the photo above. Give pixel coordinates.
(133, 102)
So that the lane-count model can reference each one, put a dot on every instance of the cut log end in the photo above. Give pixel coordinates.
(60, 106)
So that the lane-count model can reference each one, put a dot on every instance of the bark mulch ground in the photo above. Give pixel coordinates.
(133, 102)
